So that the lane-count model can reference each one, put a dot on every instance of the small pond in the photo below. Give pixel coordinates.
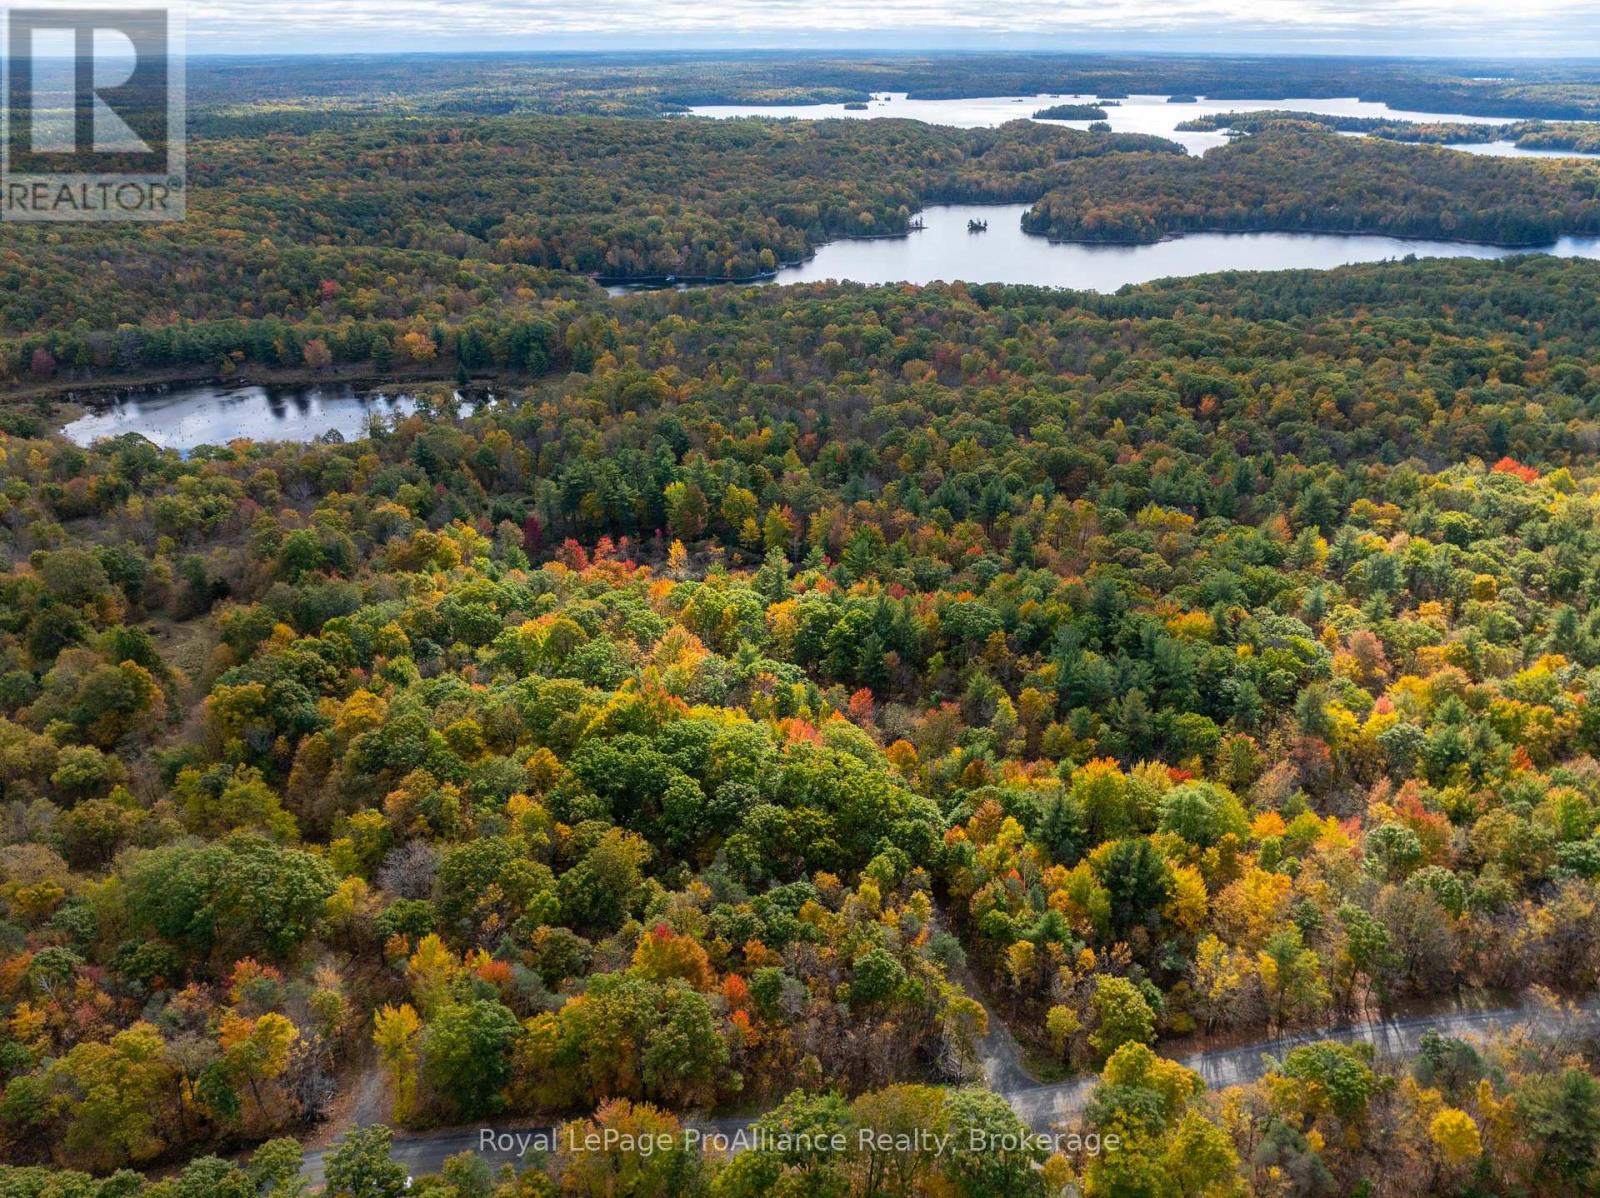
(186, 415)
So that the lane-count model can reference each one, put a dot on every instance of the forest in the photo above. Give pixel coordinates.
(473, 242)
(1579, 137)
(776, 695)
(1297, 179)
(674, 735)
(1072, 112)
(477, 231)
(644, 84)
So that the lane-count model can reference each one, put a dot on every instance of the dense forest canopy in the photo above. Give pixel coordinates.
(778, 696)
(356, 237)
(349, 230)
(380, 241)
(1217, 655)
(1293, 179)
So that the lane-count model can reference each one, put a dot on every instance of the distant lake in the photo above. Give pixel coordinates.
(943, 250)
(1137, 114)
(185, 416)
(1509, 149)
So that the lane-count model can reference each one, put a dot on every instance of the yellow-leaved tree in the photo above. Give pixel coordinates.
(394, 1032)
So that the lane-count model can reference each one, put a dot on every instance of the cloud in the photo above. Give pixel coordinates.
(1565, 26)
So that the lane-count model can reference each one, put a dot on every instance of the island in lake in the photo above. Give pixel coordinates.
(1071, 112)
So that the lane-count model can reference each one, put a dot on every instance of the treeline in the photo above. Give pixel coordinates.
(1291, 180)
(482, 222)
(175, 299)
(625, 198)
(1581, 138)
(520, 341)
(281, 266)
(1071, 112)
(642, 84)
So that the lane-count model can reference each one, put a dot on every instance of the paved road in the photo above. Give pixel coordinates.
(1043, 1107)
(1393, 1039)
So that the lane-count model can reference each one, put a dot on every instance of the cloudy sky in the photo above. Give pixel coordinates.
(1487, 27)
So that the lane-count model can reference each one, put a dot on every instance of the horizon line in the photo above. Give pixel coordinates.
(805, 51)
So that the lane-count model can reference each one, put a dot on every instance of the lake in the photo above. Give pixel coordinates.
(1507, 149)
(184, 416)
(187, 415)
(1137, 114)
(944, 250)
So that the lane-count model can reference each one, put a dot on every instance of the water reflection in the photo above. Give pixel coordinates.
(943, 250)
(185, 416)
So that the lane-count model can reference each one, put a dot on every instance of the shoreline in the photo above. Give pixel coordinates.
(1532, 247)
(660, 283)
(74, 397)
(936, 94)
(668, 282)
(94, 395)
